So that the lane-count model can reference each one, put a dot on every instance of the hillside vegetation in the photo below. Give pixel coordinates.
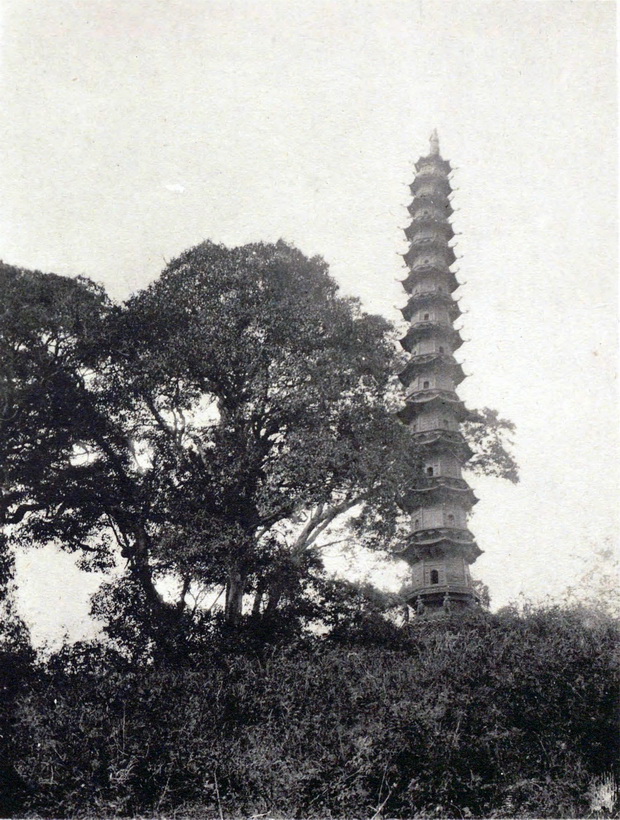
(485, 715)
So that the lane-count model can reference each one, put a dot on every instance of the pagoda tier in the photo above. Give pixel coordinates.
(437, 542)
(430, 181)
(438, 165)
(441, 439)
(432, 297)
(439, 546)
(431, 329)
(438, 569)
(424, 363)
(440, 275)
(438, 490)
(432, 202)
(429, 251)
(444, 401)
(429, 220)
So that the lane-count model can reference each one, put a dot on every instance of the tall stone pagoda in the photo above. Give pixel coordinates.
(439, 548)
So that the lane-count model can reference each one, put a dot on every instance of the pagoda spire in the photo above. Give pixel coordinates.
(439, 546)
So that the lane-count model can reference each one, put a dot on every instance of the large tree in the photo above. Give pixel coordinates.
(208, 431)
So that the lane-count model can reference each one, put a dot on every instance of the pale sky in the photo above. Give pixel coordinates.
(133, 130)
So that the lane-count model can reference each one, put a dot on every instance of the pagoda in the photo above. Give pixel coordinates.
(438, 545)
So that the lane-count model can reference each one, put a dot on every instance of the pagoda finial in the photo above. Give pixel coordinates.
(434, 143)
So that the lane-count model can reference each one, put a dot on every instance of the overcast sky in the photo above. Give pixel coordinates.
(133, 130)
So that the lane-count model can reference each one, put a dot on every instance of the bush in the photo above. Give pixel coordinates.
(487, 715)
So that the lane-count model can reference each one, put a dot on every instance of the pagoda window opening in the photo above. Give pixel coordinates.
(427, 316)
(434, 576)
(441, 349)
(430, 471)
(416, 524)
(426, 384)
(450, 518)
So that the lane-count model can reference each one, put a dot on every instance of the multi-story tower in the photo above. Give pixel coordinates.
(439, 547)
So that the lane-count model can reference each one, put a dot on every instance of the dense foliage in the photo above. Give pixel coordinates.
(501, 715)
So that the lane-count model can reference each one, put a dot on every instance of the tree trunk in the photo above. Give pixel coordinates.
(276, 591)
(258, 598)
(139, 563)
(234, 596)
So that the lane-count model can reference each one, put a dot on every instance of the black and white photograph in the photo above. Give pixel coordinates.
(309, 457)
